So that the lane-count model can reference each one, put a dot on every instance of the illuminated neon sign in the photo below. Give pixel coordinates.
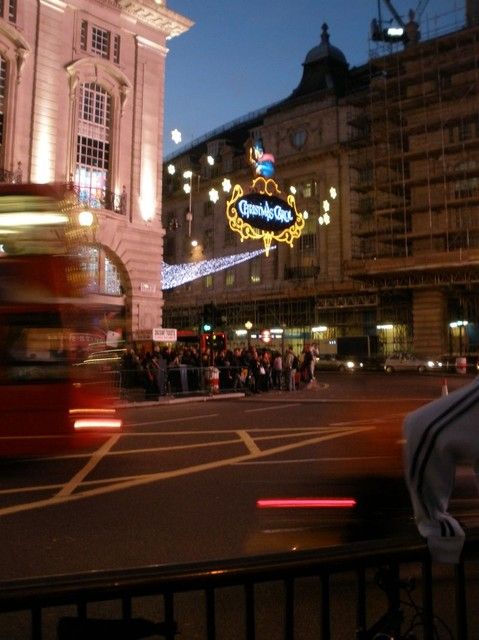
(265, 212)
(262, 214)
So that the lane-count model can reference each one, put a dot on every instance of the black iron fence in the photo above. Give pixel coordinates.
(365, 591)
(153, 382)
(97, 198)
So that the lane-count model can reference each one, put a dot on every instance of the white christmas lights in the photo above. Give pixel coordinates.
(176, 136)
(176, 274)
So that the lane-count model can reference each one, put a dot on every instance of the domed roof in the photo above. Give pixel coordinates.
(325, 50)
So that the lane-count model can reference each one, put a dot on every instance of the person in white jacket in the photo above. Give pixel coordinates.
(439, 436)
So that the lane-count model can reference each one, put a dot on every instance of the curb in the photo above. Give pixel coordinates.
(171, 400)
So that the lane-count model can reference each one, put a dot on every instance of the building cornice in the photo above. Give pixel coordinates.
(153, 15)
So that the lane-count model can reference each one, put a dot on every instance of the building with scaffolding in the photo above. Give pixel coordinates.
(383, 158)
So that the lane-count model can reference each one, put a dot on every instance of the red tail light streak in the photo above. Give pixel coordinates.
(306, 503)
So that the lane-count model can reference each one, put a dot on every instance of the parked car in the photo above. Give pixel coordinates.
(331, 362)
(410, 362)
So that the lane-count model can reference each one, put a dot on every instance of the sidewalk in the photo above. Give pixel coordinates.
(136, 400)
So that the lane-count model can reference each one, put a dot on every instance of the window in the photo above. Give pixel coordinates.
(255, 271)
(209, 281)
(306, 188)
(84, 35)
(307, 243)
(116, 49)
(112, 284)
(100, 42)
(208, 239)
(464, 131)
(103, 275)
(468, 186)
(229, 277)
(8, 10)
(93, 144)
(298, 138)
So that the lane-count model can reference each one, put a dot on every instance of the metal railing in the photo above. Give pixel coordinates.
(180, 380)
(102, 198)
(351, 591)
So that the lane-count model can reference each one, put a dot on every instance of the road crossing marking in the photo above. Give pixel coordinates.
(281, 406)
(96, 458)
(249, 442)
(121, 484)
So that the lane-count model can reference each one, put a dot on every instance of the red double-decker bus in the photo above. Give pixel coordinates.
(47, 404)
(214, 340)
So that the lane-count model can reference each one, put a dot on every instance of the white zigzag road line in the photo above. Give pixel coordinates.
(165, 475)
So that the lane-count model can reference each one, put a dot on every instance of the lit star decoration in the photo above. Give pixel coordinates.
(226, 184)
(214, 195)
(176, 274)
(176, 136)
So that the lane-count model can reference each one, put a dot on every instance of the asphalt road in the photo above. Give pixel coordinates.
(183, 481)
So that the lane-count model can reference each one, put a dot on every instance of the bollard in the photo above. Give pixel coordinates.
(444, 389)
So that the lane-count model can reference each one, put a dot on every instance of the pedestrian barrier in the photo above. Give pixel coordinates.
(212, 378)
(380, 589)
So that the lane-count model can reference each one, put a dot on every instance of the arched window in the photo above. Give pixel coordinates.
(93, 157)
(102, 274)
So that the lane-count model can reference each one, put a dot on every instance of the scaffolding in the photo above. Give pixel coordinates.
(414, 151)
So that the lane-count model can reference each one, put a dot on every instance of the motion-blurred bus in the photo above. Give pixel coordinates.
(46, 404)
(215, 340)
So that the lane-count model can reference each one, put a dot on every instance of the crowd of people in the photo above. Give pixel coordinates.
(166, 370)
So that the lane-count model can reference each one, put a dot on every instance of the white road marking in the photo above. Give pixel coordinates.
(169, 420)
(97, 457)
(276, 407)
(122, 484)
(313, 460)
(249, 442)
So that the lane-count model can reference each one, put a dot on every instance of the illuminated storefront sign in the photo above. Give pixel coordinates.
(265, 212)
(262, 214)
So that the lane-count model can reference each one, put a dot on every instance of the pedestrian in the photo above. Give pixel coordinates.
(438, 437)
(291, 364)
(278, 371)
(307, 366)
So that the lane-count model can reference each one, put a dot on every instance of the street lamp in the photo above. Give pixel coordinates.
(248, 325)
(188, 189)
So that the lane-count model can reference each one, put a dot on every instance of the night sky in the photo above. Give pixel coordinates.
(242, 55)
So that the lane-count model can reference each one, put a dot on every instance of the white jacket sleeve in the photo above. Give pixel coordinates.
(439, 436)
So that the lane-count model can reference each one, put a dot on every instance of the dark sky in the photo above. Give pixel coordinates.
(242, 55)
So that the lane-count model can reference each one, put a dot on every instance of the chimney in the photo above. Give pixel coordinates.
(472, 12)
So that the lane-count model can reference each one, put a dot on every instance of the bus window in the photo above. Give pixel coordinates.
(33, 351)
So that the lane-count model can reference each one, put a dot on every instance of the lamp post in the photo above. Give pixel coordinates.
(248, 325)
(188, 189)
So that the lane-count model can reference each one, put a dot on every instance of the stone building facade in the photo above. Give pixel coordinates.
(389, 151)
(81, 101)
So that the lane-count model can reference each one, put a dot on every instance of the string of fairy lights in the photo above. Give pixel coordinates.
(175, 275)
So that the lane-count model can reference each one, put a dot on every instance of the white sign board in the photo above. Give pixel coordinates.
(164, 335)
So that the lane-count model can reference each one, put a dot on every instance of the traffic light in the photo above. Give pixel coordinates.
(209, 316)
(212, 318)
